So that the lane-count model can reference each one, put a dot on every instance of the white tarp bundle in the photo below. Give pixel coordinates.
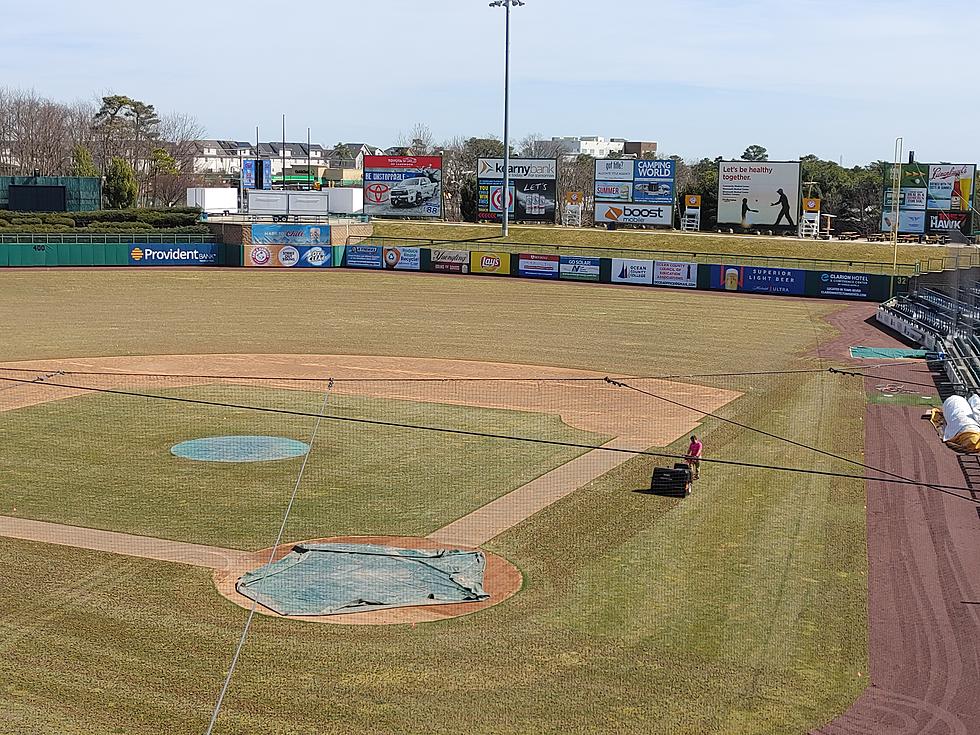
(962, 423)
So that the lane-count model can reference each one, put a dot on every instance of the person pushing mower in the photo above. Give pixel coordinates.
(694, 456)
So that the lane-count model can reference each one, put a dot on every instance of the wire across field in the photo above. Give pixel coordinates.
(741, 609)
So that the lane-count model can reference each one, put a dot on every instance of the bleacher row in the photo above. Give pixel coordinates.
(943, 321)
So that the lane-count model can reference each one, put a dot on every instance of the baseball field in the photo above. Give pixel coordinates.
(740, 609)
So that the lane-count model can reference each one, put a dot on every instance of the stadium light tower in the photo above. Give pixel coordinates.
(505, 194)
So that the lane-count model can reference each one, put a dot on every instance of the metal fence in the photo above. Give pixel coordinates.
(127, 238)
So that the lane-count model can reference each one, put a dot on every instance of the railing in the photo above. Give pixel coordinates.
(766, 261)
(103, 239)
(306, 219)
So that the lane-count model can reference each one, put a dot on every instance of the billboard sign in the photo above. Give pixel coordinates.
(497, 264)
(756, 279)
(842, 285)
(450, 261)
(633, 214)
(290, 235)
(948, 221)
(363, 256)
(759, 193)
(638, 272)
(403, 186)
(910, 222)
(288, 256)
(678, 275)
(402, 259)
(532, 265)
(203, 254)
(532, 194)
(914, 199)
(951, 187)
(574, 268)
(248, 173)
(626, 189)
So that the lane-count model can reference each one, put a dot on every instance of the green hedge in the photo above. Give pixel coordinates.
(178, 220)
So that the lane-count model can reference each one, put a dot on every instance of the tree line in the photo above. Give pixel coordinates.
(147, 158)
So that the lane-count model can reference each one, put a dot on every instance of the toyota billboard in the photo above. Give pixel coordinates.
(634, 192)
(755, 194)
(532, 191)
(403, 186)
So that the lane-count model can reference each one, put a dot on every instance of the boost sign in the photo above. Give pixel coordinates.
(632, 214)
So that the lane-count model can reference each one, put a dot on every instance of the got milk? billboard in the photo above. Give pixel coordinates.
(403, 186)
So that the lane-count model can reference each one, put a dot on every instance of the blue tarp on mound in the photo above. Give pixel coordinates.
(330, 579)
(886, 353)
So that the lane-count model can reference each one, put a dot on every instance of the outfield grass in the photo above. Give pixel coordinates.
(739, 610)
(669, 241)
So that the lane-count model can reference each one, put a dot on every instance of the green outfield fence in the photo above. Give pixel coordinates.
(49, 251)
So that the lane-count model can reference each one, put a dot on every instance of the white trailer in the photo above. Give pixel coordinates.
(282, 204)
(346, 200)
(213, 201)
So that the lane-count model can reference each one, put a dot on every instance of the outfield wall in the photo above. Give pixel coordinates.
(312, 249)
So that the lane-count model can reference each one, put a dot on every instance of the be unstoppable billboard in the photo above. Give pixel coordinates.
(532, 194)
(634, 192)
(403, 186)
(753, 194)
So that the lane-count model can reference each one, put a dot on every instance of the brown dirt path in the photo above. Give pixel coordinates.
(211, 557)
(924, 570)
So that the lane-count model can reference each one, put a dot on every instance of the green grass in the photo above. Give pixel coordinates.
(113, 468)
(682, 244)
(739, 610)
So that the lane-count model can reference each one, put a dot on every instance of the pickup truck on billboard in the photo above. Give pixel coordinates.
(412, 192)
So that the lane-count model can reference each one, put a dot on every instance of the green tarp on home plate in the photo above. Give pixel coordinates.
(330, 579)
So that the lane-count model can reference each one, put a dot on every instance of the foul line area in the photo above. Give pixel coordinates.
(635, 421)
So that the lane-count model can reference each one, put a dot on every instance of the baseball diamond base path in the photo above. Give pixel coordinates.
(211, 557)
(637, 422)
(923, 567)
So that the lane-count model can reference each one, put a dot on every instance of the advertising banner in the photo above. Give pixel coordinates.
(497, 264)
(288, 256)
(202, 254)
(911, 222)
(857, 286)
(402, 259)
(951, 187)
(574, 268)
(632, 271)
(248, 173)
(755, 279)
(290, 234)
(679, 275)
(403, 186)
(633, 214)
(759, 194)
(363, 256)
(614, 191)
(614, 169)
(626, 189)
(532, 194)
(912, 199)
(450, 261)
(940, 222)
(531, 265)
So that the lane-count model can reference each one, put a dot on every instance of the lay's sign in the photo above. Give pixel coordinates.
(496, 264)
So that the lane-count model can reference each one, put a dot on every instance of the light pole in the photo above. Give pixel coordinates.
(505, 194)
(896, 193)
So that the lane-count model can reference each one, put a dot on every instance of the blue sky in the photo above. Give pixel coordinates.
(701, 77)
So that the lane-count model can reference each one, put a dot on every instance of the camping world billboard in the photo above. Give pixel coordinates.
(634, 192)
(532, 192)
(754, 194)
(403, 186)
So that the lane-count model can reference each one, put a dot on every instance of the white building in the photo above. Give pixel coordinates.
(590, 145)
